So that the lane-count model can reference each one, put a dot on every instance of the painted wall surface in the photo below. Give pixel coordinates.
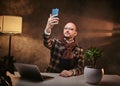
(98, 24)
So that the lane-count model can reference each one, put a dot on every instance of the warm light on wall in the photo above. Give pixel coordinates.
(91, 28)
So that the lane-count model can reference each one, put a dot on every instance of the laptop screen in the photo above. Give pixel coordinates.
(29, 72)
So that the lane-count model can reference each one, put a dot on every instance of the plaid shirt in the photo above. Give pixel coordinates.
(57, 62)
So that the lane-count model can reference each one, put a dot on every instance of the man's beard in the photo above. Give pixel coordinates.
(66, 37)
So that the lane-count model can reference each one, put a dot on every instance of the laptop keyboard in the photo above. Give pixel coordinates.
(46, 77)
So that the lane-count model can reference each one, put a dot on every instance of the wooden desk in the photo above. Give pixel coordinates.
(108, 80)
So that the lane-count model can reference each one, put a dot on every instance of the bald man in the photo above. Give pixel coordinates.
(66, 55)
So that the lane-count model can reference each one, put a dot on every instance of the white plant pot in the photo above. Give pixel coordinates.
(92, 75)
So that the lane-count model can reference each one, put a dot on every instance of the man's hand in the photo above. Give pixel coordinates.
(52, 20)
(66, 73)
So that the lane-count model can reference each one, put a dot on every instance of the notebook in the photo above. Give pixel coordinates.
(30, 72)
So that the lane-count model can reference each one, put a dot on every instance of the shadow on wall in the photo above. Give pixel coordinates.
(111, 61)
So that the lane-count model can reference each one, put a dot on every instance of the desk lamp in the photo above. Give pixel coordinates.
(10, 25)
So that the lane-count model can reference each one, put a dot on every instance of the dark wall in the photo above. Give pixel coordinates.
(98, 23)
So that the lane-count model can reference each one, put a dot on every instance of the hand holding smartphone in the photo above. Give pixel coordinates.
(55, 12)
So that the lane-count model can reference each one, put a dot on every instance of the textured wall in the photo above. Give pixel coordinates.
(98, 24)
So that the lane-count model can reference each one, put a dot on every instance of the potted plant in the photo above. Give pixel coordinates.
(92, 73)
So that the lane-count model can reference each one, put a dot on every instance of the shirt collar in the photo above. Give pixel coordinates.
(69, 41)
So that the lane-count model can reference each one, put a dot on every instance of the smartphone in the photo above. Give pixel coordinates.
(55, 12)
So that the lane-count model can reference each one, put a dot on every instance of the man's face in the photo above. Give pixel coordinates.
(70, 30)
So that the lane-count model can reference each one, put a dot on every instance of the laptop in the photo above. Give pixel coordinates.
(30, 72)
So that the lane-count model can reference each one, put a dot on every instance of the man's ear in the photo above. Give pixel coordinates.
(75, 33)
